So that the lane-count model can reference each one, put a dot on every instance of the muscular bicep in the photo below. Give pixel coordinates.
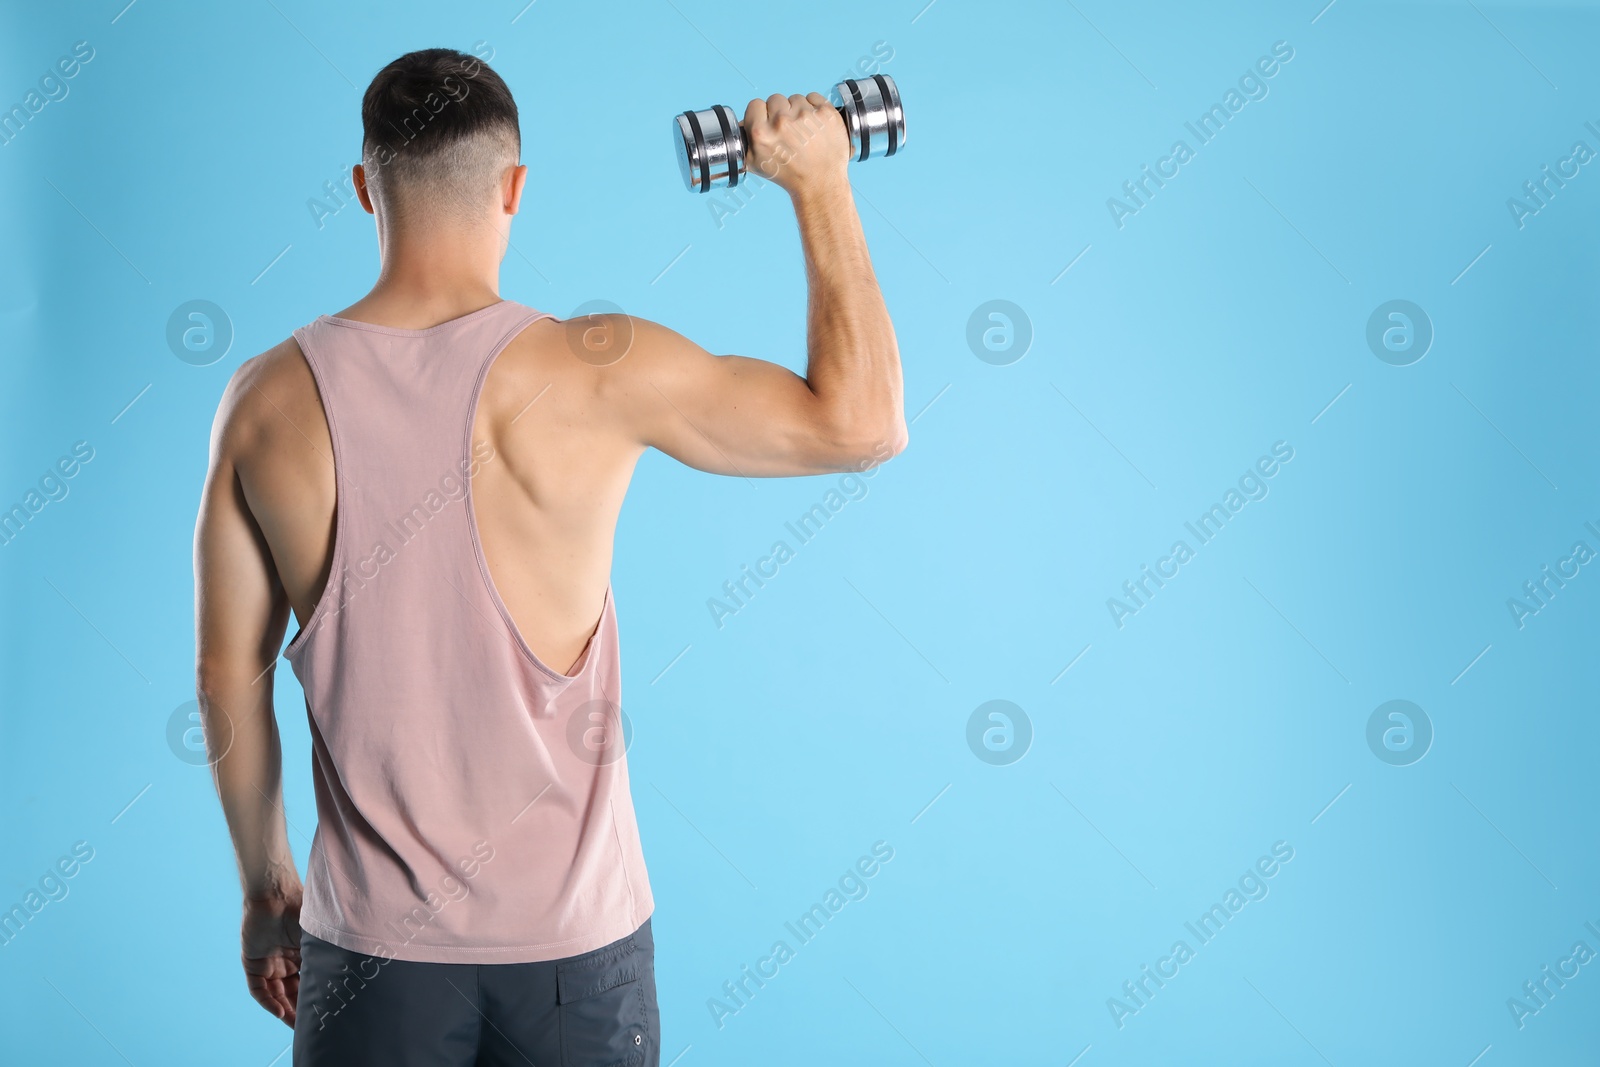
(725, 414)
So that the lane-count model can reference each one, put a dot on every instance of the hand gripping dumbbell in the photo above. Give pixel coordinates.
(711, 143)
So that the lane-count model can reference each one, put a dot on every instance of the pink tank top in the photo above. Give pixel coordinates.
(472, 802)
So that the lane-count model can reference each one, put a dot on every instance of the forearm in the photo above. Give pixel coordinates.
(853, 362)
(242, 741)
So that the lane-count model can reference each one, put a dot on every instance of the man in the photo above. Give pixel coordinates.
(430, 482)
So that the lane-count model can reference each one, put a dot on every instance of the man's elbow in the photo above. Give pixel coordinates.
(900, 438)
(219, 679)
(891, 440)
(210, 688)
(866, 447)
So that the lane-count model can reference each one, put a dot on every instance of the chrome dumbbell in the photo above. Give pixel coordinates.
(711, 143)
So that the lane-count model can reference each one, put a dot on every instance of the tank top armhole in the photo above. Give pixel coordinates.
(336, 556)
(526, 317)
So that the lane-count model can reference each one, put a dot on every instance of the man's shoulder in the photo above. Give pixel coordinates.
(590, 346)
(264, 389)
(595, 338)
(282, 365)
(595, 367)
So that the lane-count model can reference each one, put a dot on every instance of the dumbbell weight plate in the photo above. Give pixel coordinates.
(873, 116)
(710, 147)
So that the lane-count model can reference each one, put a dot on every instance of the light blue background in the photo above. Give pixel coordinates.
(1223, 717)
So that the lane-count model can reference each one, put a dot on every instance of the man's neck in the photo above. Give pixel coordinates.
(431, 277)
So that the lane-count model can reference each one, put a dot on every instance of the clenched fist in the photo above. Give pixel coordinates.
(798, 142)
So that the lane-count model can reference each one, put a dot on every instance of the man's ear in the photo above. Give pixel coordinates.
(511, 188)
(358, 177)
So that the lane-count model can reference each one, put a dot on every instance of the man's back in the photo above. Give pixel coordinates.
(546, 500)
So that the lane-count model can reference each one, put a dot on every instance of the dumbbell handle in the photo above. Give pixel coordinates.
(712, 143)
(744, 134)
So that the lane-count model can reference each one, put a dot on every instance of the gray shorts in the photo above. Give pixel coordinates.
(597, 1009)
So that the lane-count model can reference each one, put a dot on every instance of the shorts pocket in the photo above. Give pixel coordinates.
(601, 1000)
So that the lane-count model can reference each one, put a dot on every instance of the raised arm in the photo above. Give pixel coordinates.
(743, 416)
(241, 613)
